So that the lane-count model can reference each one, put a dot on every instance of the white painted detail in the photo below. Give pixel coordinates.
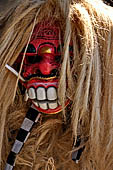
(8, 167)
(26, 97)
(53, 105)
(31, 93)
(51, 93)
(77, 161)
(26, 137)
(41, 93)
(14, 72)
(37, 117)
(17, 146)
(36, 104)
(43, 106)
(59, 102)
(27, 124)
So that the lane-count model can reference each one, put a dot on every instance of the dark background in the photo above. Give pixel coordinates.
(110, 2)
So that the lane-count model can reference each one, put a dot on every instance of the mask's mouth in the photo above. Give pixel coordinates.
(50, 111)
(44, 96)
(42, 92)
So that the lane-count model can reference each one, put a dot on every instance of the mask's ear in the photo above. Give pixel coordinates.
(109, 2)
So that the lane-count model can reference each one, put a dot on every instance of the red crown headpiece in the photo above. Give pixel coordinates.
(45, 31)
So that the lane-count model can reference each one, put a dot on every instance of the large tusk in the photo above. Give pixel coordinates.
(14, 72)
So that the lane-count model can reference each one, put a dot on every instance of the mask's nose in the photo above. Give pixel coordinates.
(48, 65)
(45, 64)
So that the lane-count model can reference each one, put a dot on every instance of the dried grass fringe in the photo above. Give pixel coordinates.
(90, 85)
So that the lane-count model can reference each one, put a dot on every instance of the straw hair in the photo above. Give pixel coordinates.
(88, 82)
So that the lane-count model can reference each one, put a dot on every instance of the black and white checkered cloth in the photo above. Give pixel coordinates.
(31, 118)
(77, 153)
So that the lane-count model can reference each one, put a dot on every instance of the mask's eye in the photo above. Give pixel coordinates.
(34, 59)
(30, 49)
(58, 58)
(71, 49)
(59, 49)
(46, 50)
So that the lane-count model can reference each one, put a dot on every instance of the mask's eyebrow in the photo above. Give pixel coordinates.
(14, 72)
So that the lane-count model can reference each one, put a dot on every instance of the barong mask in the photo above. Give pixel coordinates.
(41, 68)
(40, 75)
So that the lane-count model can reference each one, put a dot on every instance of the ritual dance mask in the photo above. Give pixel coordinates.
(41, 68)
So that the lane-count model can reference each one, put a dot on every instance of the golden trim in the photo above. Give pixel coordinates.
(40, 78)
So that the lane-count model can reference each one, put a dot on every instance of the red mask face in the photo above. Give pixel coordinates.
(41, 68)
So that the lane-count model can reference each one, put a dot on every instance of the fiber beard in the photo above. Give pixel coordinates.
(49, 144)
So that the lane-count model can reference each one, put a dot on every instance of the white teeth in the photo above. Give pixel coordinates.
(51, 93)
(52, 105)
(43, 105)
(31, 93)
(46, 98)
(36, 103)
(41, 93)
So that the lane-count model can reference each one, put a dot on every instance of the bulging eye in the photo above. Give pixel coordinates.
(58, 58)
(34, 59)
(59, 49)
(71, 49)
(30, 49)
